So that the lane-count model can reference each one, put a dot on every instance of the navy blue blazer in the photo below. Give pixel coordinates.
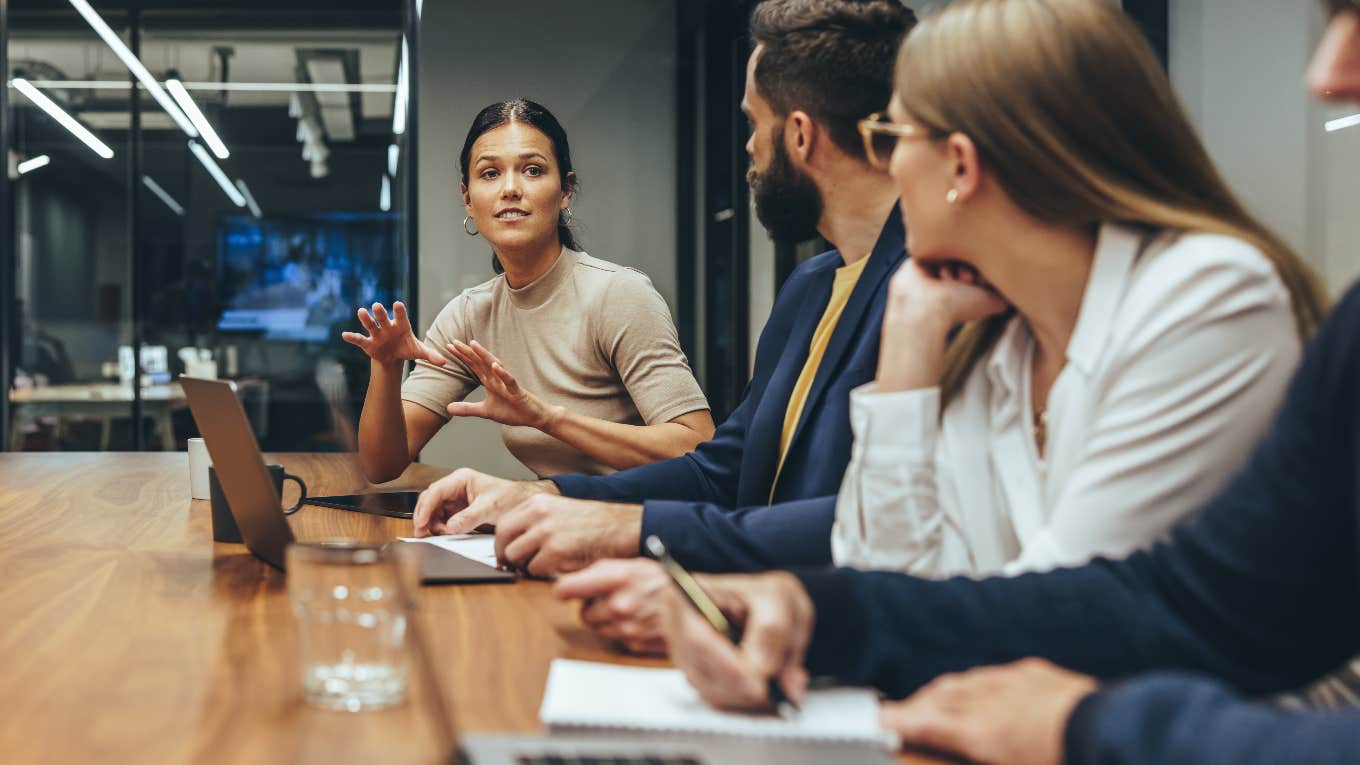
(713, 507)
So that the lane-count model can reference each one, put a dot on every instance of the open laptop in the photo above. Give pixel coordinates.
(256, 506)
(650, 749)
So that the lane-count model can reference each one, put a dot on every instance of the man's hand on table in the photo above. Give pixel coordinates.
(466, 499)
(548, 535)
(1013, 714)
(619, 601)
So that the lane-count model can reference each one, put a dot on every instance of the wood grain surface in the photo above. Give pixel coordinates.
(130, 636)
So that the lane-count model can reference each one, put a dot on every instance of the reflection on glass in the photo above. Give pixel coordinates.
(241, 233)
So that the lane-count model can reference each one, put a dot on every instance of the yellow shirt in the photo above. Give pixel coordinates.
(844, 284)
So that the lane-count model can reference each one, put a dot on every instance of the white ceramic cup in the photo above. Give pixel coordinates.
(198, 469)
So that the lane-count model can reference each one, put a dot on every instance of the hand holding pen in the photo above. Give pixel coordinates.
(740, 640)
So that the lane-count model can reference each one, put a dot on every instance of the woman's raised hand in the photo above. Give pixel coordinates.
(506, 402)
(925, 303)
(952, 293)
(390, 338)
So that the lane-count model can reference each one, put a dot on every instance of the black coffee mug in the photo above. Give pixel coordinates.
(224, 523)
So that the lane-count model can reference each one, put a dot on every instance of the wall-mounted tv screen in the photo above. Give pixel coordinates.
(297, 278)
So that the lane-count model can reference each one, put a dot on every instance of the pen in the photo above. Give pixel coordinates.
(710, 611)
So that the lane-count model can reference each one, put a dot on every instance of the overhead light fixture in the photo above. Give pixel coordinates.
(293, 87)
(385, 196)
(163, 195)
(250, 198)
(393, 157)
(118, 122)
(217, 174)
(29, 165)
(328, 68)
(40, 100)
(134, 64)
(249, 87)
(311, 135)
(186, 102)
(399, 100)
(336, 110)
(1342, 122)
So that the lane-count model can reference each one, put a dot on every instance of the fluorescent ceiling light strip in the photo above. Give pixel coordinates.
(393, 159)
(250, 198)
(29, 165)
(1342, 122)
(399, 100)
(163, 195)
(385, 197)
(81, 84)
(293, 87)
(66, 120)
(134, 65)
(217, 174)
(186, 102)
(242, 87)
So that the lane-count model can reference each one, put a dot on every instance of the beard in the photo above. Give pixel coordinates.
(788, 203)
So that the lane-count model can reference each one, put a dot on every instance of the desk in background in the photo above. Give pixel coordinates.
(129, 636)
(105, 401)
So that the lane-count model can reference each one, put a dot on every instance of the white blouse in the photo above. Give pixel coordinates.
(1181, 354)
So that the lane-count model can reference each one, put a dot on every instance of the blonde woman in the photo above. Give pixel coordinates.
(1129, 328)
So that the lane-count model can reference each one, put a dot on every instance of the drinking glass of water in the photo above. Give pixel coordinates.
(353, 601)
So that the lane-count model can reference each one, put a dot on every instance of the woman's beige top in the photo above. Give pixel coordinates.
(588, 335)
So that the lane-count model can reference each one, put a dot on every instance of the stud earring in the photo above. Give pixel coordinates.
(470, 231)
(952, 196)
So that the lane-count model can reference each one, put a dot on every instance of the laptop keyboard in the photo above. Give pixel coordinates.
(607, 760)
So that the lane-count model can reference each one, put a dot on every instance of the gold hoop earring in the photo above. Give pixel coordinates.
(470, 231)
(566, 217)
(952, 196)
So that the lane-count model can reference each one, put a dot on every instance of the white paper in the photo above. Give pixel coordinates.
(608, 696)
(479, 547)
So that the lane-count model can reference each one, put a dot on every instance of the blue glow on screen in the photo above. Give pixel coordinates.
(296, 278)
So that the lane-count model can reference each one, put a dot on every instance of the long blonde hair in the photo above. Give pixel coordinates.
(1075, 118)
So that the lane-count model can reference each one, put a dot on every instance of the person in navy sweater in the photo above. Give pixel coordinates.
(761, 493)
(1163, 654)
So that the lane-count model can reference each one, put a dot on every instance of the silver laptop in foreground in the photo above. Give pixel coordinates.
(640, 749)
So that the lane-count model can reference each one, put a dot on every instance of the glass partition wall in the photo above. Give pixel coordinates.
(201, 190)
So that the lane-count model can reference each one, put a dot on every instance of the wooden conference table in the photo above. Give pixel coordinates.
(130, 636)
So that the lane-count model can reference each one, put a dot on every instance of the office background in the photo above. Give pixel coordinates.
(342, 121)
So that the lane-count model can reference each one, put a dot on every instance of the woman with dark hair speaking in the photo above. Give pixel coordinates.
(590, 376)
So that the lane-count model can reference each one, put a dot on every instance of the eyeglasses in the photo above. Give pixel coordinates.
(881, 135)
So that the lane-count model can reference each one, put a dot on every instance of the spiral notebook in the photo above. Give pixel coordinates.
(583, 695)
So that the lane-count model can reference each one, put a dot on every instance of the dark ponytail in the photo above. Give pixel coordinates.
(535, 115)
